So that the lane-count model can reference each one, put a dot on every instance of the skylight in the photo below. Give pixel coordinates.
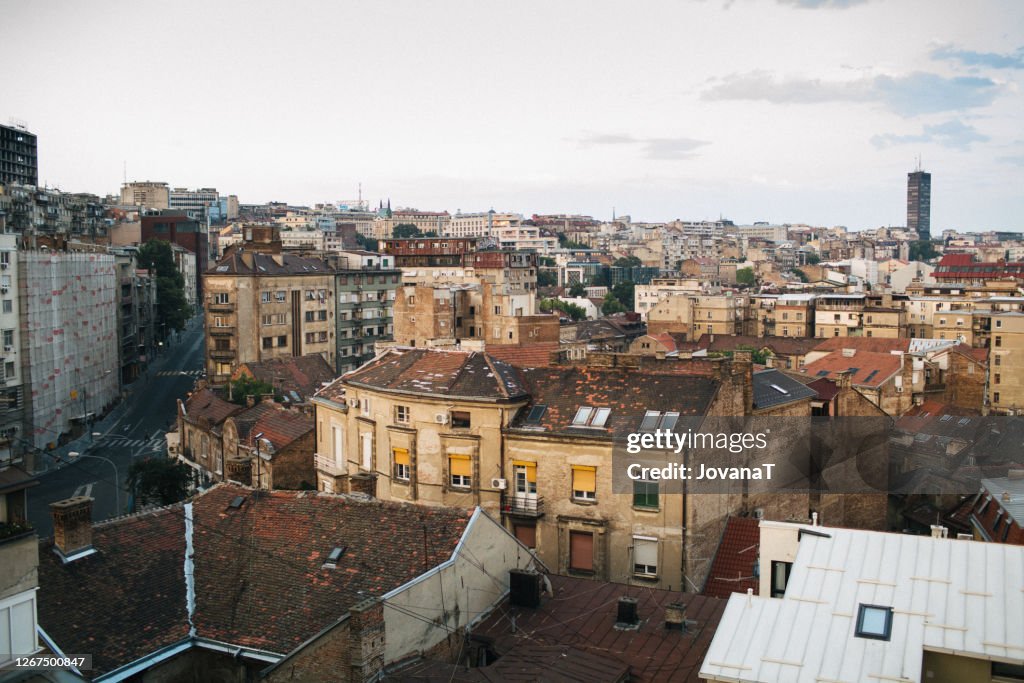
(650, 421)
(874, 621)
(588, 416)
(945, 418)
(779, 389)
(536, 413)
(668, 420)
(582, 415)
(964, 421)
(600, 417)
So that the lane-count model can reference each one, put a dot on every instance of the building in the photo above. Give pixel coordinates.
(19, 556)
(261, 303)
(43, 211)
(842, 604)
(294, 380)
(70, 340)
(919, 203)
(1006, 381)
(197, 204)
(425, 425)
(12, 394)
(366, 289)
(245, 585)
(177, 228)
(147, 195)
(998, 514)
(19, 163)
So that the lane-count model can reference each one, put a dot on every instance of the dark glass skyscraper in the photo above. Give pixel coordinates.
(18, 156)
(919, 203)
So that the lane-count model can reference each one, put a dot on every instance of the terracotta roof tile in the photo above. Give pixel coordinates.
(537, 355)
(204, 403)
(780, 346)
(278, 424)
(304, 375)
(872, 344)
(732, 570)
(871, 369)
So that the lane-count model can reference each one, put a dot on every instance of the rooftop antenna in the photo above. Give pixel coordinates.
(126, 172)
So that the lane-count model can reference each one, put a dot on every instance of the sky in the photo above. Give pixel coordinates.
(798, 111)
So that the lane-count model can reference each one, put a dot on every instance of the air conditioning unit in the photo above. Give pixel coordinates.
(8, 349)
(4, 289)
(3, 266)
(441, 418)
(500, 484)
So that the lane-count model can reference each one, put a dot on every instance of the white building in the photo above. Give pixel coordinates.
(194, 202)
(481, 224)
(850, 605)
(11, 395)
(647, 296)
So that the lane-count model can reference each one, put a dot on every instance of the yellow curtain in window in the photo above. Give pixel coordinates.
(531, 469)
(401, 456)
(584, 478)
(460, 465)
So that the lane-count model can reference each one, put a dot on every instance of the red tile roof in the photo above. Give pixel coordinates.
(872, 369)
(537, 355)
(980, 355)
(278, 424)
(259, 576)
(780, 346)
(582, 615)
(443, 373)
(629, 394)
(203, 403)
(304, 375)
(873, 344)
(732, 570)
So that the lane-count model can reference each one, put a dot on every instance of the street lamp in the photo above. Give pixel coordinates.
(117, 478)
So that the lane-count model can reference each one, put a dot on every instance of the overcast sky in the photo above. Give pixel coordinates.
(777, 110)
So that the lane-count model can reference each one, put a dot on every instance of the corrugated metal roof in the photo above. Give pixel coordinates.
(1015, 505)
(953, 596)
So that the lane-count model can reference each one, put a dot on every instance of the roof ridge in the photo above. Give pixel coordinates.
(497, 374)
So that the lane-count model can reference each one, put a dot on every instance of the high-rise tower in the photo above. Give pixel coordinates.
(919, 203)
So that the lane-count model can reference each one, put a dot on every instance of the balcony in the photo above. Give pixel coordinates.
(327, 465)
(222, 354)
(222, 331)
(221, 308)
(519, 505)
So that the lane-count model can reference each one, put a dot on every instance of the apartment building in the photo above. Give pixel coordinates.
(261, 303)
(19, 582)
(483, 224)
(12, 395)
(195, 203)
(1006, 355)
(366, 288)
(694, 315)
(178, 229)
(647, 296)
(19, 163)
(30, 209)
(436, 222)
(146, 194)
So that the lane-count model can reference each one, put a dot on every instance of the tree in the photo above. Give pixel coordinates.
(159, 480)
(249, 386)
(367, 243)
(547, 262)
(813, 259)
(173, 310)
(922, 250)
(567, 243)
(405, 230)
(545, 278)
(745, 276)
(623, 293)
(627, 262)
(612, 305)
(570, 310)
(800, 275)
(577, 290)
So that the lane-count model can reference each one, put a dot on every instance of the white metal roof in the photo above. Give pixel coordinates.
(1015, 488)
(952, 596)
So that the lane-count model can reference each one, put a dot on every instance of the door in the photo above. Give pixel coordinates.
(525, 487)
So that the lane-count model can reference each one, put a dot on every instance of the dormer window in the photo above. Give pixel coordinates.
(587, 416)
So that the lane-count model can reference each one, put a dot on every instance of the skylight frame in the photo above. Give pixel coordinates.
(873, 632)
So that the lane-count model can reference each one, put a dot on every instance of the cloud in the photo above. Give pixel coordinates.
(1015, 160)
(909, 95)
(954, 134)
(652, 148)
(822, 4)
(992, 60)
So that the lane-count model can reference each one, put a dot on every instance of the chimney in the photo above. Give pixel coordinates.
(72, 528)
(250, 401)
(675, 616)
(939, 531)
(366, 641)
(364, 483)
(627, 613)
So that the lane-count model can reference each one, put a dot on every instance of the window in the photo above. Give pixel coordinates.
(998, 378)
(402, 463)
(268, 342)
(265, 319)
(999, 323)
(780, 577)
(645, 556)
(402, 414)
(364, 405)
(9, 369)
(279, 295)
(582, 416)
(584, 482)
(999, 341)
(874, 621)
(460, 470)
(8, 306)
(536, 414)
(8, 337)
(17, 626)
(460, 419)
(998, 361)
(645, 494)
(220, 298)
(264, 297)
(282, 340)
(581, 551)
(995, 397)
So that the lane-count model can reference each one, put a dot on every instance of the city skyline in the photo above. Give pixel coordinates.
(806, 111)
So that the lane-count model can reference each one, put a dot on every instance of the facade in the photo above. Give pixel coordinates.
(29, 209)
(919, 204)
(197, 204)
(147, 195)
(365, 310)
(260, 306)
(1006, 381)
(19, 163)
(177, 228)
(19, 556)
(12, 392)
(69, 340)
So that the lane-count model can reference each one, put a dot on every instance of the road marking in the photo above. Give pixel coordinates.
(83, 490)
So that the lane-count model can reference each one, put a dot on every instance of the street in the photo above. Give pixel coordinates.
(138, 432)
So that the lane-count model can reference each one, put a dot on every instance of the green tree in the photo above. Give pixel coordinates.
(249, 386)
(577, 290)
(546, 278)
(405, 230)
(159, 480)
(173, 310)
(547, 262)
(623, 292)
(800, 275)
(367, 243)
(570, 310)
(567, 243)
(813, 259)
(612, 305)
(627, 262)
(745, 276)
(923, 250)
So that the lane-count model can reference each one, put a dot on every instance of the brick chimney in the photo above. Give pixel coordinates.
(72, 527)
(363, 482)
(366, 640)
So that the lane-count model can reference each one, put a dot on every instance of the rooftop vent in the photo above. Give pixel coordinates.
(675, 616)
(524, 588)
(627, 614)
(849, 353)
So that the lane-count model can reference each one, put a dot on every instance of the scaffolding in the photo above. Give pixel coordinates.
(69, 338)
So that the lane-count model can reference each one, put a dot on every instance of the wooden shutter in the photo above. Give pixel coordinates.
(527, 534)
(581, 550)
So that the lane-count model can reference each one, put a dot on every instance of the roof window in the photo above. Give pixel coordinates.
(874, 621)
